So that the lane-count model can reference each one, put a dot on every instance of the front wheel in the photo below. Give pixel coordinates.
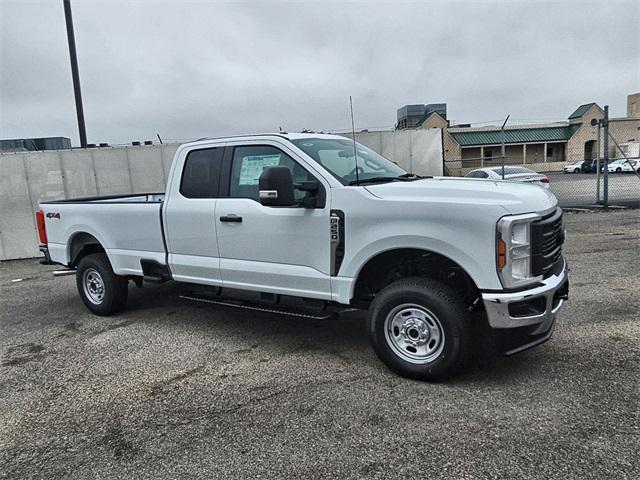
(420, 329)
(577, 170)
(101, 290)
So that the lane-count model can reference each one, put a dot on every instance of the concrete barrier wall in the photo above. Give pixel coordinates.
(417, 151)
(26, 179)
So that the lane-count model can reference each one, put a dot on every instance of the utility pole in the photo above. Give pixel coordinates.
(82, 133)
(502, 146)
(605, 125)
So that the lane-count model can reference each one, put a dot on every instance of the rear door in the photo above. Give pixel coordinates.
(271, 249)
(189, 217)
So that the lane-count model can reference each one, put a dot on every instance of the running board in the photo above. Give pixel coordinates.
(62, 273)
(262, 308)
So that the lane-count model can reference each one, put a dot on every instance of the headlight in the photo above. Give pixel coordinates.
(514, 250)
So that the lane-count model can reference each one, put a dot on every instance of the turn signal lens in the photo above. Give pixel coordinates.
(502, 254)
(545, 180)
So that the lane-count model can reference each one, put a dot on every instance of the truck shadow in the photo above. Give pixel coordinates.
(343, 337)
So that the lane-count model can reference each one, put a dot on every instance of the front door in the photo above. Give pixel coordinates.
(271, 249)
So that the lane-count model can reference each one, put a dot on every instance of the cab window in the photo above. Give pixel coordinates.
(248, 164)
(201, 173)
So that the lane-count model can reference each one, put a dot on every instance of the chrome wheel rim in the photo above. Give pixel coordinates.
(93, 286)
(414, 333)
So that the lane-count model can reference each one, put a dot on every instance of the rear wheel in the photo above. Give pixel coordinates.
(420, 328)
(101, 290)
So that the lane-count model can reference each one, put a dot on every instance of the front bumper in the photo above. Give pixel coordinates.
(532, 312)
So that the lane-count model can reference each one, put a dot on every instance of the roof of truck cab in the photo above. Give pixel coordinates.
(287, 136)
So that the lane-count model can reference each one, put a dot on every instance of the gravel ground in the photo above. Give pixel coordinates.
(170, 389)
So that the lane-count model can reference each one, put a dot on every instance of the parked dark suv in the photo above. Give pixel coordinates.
(590, 166)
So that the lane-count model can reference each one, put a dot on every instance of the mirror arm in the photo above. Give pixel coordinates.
(311, 186)
(309, 202)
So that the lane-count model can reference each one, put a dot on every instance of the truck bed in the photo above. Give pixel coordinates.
(129, 227)
(134, 198)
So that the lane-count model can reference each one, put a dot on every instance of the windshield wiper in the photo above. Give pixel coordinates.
(412, 176)
(374, 180)
(405, 177)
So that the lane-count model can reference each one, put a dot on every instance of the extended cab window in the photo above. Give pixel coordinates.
(201, 173)
(248, 164)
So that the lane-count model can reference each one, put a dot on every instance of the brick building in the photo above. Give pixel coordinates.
(543, 147)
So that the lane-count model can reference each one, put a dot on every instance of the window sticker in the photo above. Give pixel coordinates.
(253, 165)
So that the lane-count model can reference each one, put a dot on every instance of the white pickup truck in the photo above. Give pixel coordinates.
(304, 215)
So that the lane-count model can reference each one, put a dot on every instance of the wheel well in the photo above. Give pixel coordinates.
(81, 245)
(392, 265)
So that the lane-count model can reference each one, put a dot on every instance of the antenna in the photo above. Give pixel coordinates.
(353, 134)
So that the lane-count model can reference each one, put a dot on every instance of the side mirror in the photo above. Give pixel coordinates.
(275, 187)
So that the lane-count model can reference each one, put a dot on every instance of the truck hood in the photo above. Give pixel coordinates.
(516, 197)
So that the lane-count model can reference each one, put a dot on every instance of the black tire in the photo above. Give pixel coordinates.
(439, 300)
(618, 170)
(577, 170)
(109, 299)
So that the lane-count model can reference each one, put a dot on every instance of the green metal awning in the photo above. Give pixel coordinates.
(516, 135)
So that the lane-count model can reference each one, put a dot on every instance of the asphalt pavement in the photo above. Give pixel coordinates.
(171, 389)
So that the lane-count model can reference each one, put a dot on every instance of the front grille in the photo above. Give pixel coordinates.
(547, 237)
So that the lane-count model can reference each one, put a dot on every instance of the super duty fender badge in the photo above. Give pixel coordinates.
(53, 215)
(336, 233)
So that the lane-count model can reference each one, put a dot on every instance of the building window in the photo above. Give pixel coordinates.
(549, 151)
(488, 155)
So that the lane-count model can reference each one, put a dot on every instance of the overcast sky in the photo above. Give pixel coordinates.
(193, 69)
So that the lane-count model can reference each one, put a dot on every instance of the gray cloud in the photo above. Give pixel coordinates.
(190, 69)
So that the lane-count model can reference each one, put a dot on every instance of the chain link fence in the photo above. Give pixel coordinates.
(574, 183)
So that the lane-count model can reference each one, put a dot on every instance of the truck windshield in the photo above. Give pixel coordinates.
(336, 155)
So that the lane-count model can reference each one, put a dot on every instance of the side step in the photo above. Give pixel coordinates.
(276, 309)
(64, 272)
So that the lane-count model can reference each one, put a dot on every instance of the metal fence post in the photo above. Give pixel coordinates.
(598, 163)
(502, 146)
(605, 125)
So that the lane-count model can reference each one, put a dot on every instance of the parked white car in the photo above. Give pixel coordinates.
(624, 165)
(514, 174)
(339, 226)
(574, 167)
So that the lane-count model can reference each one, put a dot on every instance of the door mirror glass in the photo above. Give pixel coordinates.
(276, 187)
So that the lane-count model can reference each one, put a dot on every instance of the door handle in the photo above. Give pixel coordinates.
(231, 218)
